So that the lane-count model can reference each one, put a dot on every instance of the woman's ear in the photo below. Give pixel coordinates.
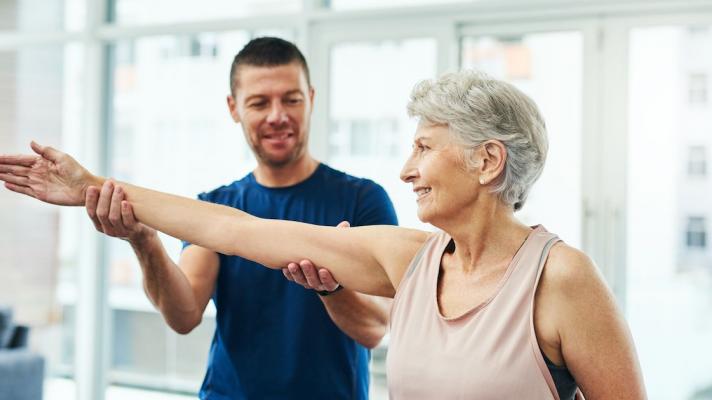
(492, 156)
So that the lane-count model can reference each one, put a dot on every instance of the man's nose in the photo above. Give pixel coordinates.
(277, 114)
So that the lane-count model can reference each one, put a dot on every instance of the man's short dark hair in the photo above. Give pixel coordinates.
(267, 52)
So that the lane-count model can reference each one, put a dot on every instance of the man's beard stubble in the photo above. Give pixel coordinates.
(264, 158)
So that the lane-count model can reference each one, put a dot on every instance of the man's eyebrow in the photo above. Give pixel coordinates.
(254, 96)
(263, 96)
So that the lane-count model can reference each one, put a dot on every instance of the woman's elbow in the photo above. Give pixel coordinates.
(185, 326)
(374, 338)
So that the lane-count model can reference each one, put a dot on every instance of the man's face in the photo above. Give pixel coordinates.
(274, 105)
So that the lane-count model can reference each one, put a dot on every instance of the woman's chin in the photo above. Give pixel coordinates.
(423, 216)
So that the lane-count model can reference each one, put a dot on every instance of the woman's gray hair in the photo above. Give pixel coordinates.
(477, 108)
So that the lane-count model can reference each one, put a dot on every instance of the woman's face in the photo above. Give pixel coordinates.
(442, 184)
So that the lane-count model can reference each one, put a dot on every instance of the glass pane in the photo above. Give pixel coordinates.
(137, 12)
(42, 96)
(371, 133)
(669, 291)
(42, 15)
(364, 4)
(535, 63)
(170, 130)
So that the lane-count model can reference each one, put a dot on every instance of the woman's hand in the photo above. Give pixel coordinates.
(51, 176)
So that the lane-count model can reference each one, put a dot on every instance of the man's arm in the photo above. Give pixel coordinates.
(180, 292)
(362, 317)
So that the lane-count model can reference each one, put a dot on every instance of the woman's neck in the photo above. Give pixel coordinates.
(487, 236)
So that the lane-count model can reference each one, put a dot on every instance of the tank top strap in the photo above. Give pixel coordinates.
(432, 241)
(420, 269)
(531, 258)
(544, 242)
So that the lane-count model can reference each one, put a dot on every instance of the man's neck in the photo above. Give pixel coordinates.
(288, 175)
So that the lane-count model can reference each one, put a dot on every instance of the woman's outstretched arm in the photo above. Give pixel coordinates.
(367, 259)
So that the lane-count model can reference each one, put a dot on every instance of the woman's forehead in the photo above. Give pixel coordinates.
(431, 131)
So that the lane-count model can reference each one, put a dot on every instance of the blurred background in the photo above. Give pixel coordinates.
(135, 89)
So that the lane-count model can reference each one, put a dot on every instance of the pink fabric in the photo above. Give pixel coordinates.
(490, 352)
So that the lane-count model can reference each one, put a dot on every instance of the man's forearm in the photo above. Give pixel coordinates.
(165, 285)
(362, 317)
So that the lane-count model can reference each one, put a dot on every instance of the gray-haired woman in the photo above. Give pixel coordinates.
(486, 308)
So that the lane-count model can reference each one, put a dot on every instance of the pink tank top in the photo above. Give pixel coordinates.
(490, 352)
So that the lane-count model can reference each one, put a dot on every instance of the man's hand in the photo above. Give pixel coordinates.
(51, 176)
(307, 275)
(113, 215)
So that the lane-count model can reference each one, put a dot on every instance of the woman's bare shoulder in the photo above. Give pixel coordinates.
(390, 234)
(569, 269)
(395, 247)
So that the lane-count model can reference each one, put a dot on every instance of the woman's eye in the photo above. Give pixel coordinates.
(418, 148)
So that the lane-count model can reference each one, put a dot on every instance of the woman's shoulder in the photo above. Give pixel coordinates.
(570, 291)
(568, 270)
(410, 234)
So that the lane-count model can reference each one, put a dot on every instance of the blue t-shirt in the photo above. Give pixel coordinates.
(274, 339)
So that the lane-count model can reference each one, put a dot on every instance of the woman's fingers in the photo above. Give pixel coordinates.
(14, 179)
(15, 170)
(20, 189)
(24, 160)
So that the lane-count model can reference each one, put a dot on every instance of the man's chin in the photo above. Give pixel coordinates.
(278, 162)
(278, 159)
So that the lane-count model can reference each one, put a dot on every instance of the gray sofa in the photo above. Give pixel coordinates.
(21, 371)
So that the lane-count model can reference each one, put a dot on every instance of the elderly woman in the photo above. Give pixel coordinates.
(486, 308)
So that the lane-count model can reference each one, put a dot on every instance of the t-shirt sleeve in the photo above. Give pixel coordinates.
(203, 197)
(374, 207)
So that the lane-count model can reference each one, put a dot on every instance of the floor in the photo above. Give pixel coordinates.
(64, 389)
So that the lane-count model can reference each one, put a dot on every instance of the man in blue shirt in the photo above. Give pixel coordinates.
(274, 339)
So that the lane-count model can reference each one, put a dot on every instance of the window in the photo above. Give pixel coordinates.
(536, 63)
(667, 294)
(42, 97)
(138, 12)
(372, 133)
(696, 233)
(42, 15)
(697, 162)
(697, 88)
(370, 4)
